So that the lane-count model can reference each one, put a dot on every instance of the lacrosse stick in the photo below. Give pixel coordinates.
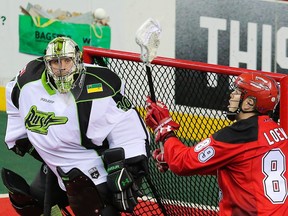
(47, 196)
(147, 37)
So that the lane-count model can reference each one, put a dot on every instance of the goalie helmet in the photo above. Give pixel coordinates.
(261, 88)
(61, 76)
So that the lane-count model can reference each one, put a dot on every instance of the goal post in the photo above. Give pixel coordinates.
(197, 95)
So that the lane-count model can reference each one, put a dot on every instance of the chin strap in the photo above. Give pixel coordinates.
(232, 115)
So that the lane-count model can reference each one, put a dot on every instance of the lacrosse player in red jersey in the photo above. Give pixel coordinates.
(249, 157)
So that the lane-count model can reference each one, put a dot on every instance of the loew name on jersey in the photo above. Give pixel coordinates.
(275, 135)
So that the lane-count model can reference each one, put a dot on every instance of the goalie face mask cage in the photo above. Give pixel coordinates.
(63, 50)
(184, 87)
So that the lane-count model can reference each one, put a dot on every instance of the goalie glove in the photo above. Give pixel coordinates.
(119, 180)
(159, 120)
(23, 146)
(161, 164)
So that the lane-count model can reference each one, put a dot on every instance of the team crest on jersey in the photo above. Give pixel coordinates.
(38, 122)
(94, 173)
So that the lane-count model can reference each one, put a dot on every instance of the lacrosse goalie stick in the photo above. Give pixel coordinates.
(147, 37)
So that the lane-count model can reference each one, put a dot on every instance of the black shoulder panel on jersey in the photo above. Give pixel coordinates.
(32, 72)
(15, 96)
(240, 132)
(84, 110)
(99, 82)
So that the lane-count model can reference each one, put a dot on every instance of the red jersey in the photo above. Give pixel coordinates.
(249, 158)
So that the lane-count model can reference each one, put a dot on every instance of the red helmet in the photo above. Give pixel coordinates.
(260, 87)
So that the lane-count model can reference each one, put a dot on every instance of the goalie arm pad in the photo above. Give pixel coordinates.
(120, 180)
(23, 146)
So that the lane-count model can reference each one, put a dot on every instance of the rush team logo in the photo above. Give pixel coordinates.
(38, 122)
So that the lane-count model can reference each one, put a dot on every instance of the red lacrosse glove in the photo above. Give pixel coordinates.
(161, 164)
(159, 119)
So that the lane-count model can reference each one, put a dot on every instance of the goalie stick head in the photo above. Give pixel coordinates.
(147, 37)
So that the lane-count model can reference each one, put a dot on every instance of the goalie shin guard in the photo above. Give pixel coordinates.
(19, 194)
(83, 195)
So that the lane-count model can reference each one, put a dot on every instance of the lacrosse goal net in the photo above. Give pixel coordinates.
(197, 95)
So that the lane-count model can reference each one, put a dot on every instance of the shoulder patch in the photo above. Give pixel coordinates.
(95, 87)
(202, 144)
(206, 154)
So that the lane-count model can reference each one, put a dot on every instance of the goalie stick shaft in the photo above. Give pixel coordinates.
(150, 83)
(147, 37)
(152, 94)
(157, 197)
(47, 198)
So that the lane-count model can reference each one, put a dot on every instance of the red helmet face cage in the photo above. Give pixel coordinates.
(260, 87)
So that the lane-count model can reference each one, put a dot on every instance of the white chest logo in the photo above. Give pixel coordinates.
(39, 122)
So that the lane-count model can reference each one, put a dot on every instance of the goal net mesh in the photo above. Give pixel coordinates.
(197, 96)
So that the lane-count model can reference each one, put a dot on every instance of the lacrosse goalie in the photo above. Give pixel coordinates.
(75, 118)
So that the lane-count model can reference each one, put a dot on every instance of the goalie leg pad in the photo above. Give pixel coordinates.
(19, 194)
(38, 188)
(83, 195)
